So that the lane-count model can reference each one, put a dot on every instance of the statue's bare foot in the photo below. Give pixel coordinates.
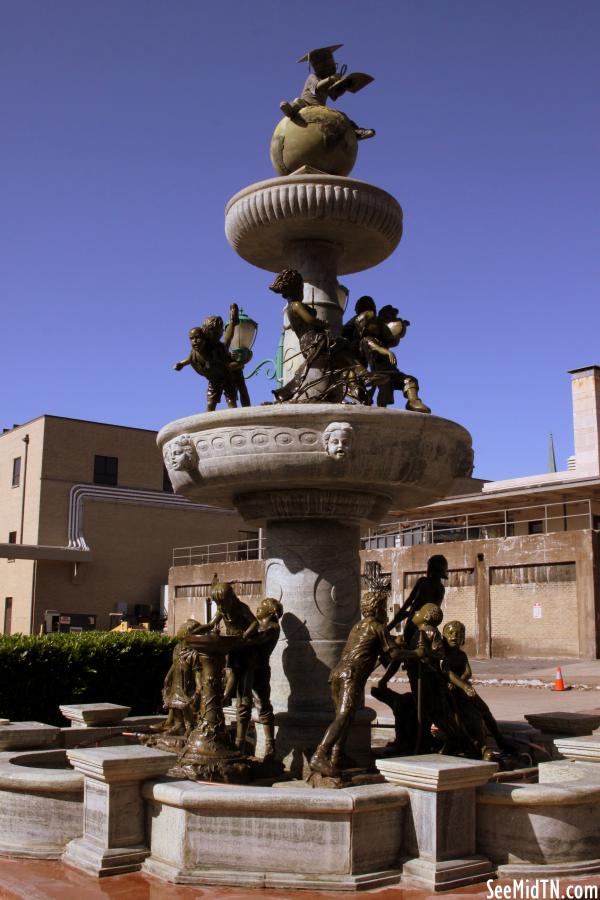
(363, 133)
(319, 763)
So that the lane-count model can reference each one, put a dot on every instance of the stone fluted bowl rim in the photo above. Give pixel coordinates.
(365, 231)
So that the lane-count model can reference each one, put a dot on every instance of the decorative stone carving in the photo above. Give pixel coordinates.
(338, 438)
(348, 506)
(180, 454)
(264, 219)
(402, 459)
(240, 441)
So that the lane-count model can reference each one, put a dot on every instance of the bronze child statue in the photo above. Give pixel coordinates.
(262, 636)
(210, 357)
(372, 336)
(237, 617)
(325, 82)
(181, 686)
(367, 642)
(474, 715)
(330, 370)
(427, 589)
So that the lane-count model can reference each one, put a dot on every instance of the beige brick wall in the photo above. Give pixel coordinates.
(132, 551)
(459, 603)
(515, 631)
(16, 578)
(189, 588)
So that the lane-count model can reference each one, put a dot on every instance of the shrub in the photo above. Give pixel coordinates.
(37, 674)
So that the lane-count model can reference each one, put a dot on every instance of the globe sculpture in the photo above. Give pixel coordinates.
(322, 138)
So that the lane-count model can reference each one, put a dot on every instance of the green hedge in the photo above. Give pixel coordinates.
(37, 674)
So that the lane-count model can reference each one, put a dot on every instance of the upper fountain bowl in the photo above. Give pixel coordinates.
(363, 223)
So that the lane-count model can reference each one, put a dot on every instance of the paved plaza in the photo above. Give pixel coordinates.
(45, 880)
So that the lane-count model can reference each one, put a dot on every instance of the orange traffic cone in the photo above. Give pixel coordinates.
(559, 684)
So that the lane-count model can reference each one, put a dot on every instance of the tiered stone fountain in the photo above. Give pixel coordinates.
(272, 464)
(280, 464)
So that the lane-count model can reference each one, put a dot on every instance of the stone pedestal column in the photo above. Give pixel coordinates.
(440, 830)
(322, 225)
(114, 826)
(317, 263)
(312, 565)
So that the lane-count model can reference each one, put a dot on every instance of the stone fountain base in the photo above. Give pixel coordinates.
(288, 837)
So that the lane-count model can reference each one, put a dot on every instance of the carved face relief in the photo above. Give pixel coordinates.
(180, 454)
(337, 438)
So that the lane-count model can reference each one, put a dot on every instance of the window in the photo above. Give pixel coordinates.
(7, 614)
(536, 527)
(12, 539)
(167, 486)
(16, 476)
(106, 470)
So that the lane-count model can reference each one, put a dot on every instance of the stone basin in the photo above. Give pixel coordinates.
(263, 459)
(213, 644)
(43, 759)
(41, 803)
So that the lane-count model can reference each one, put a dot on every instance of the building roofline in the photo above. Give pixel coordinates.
(73, 419)
(533, 488)
(584, 369)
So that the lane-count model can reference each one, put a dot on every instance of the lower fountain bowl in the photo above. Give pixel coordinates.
(288, 459)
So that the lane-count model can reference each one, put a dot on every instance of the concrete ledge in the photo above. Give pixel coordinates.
(41, 551)
(280, 880)
(28, 736)
(546, 794)
(41, 808)
(585, 748)
(216, 797)
(558, 870)
(551, 826)
(265, 837)
(124, 764)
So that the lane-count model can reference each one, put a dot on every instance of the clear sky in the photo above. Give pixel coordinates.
(128, 124)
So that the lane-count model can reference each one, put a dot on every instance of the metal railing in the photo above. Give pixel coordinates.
(228, 551)
(546, 518)
(572, 515)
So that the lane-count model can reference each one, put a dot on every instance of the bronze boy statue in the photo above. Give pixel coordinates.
(473, 714)
(330, 370)
(210, 358)
(372, 336)
(237, 617)
(262, 636)
(325, 82)
(367, 642)
(428, 589)
(181, 687)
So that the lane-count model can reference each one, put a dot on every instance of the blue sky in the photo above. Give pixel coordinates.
(127, 126)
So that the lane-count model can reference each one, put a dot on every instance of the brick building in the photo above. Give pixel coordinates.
(88, 521)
